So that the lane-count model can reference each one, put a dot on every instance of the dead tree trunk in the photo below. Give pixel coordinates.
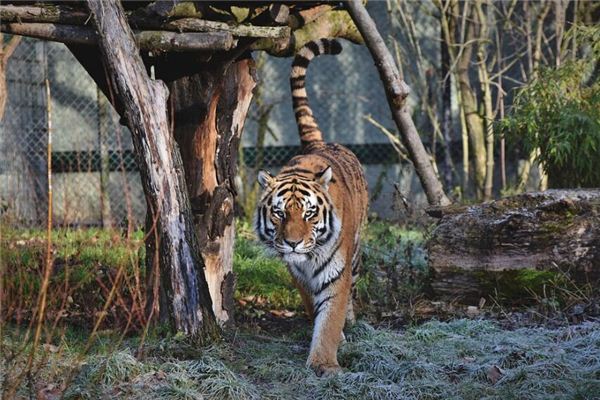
(209, 109)
(397, 91)
(144, 109)
(477, 250)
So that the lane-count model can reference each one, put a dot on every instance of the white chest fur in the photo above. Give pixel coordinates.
(321, 269)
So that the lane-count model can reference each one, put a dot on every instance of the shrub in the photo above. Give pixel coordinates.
(559, 114)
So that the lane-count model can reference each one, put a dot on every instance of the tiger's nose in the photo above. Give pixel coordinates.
(292, 243)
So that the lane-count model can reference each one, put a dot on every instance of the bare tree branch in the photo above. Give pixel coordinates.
(397, 91)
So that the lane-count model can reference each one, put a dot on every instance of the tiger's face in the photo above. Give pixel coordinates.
(295, 215)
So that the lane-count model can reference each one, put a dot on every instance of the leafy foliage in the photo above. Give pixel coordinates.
(559, 114)
(394, 267)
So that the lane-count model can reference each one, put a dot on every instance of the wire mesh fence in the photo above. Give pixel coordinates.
(95, 177)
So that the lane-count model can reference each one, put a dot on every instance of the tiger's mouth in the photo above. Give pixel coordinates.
(301, 249)
(286, 250)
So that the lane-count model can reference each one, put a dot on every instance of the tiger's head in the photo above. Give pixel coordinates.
(295, 215)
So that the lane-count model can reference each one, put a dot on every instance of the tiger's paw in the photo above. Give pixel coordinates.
(325, 370)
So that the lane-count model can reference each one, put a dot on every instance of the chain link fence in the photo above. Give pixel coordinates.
(94, 173)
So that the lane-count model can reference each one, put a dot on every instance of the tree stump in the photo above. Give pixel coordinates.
(475, 250)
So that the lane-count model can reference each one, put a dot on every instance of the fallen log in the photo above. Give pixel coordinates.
(497, 246)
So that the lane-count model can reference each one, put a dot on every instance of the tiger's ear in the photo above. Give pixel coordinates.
(324, 177)
(264, 178)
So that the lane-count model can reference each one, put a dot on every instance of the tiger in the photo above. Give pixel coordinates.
(311, 214)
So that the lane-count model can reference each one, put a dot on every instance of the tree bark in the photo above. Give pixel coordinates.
(397, 91)
(475, 250)
(144, 103)
(209, 110)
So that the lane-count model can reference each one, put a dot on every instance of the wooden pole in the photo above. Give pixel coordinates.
(145, 111)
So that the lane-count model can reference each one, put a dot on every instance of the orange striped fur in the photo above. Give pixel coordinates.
(311, 214)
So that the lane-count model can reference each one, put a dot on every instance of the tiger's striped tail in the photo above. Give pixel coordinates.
(307, 124)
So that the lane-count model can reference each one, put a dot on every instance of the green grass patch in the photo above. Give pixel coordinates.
(262, 275)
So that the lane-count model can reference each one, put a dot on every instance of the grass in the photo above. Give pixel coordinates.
(461, 359)
(260, 275)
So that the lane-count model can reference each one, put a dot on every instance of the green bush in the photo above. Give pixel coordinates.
(559, 114)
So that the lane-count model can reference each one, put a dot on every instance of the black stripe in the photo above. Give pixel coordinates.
(306, 142)
(300, 272)
(262, 222)
(283, 191)
(262, 237)
(355, 265)
(303, 192)
(264, 216)
(326, 46)
(259, 220)
(325, 285)
(297, 85)
(327, 238)
(335, 47)
(329, 216)
(300, 61)
(270, 192)
(299, 101)
(314, 47)
(306, 131)
(303, 113)
(317, 308)
(298, 80)
(326, 262)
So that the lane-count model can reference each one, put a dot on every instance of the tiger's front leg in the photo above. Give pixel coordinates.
(329, 318)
